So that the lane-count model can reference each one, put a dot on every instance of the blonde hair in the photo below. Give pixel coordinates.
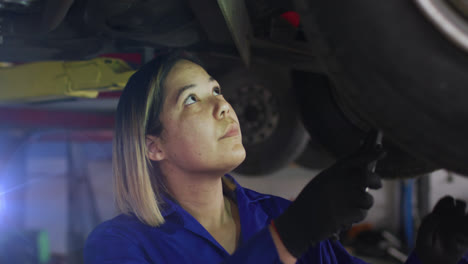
(138, 183)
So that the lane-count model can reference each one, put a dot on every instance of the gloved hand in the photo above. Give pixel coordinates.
(333, 200)
(443, 234)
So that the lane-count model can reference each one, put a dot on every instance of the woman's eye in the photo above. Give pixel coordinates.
(216, 91)
(190, 100)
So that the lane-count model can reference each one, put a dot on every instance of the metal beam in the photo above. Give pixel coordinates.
(226, 22)
(34, 118)
(82, 209)
(238, 22)
(53, 80)
(76, 136)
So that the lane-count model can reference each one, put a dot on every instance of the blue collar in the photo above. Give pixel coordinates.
(252, 215)
(237, 192)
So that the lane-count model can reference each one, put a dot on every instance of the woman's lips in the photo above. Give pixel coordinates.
(232, 131)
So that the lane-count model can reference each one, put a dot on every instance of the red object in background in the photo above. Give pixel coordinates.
(292, 17)
(35, 118)
(355, 230)
(134, 58)
(77, 136)
(109, 95)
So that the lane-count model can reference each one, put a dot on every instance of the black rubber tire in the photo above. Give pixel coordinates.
(394, 70)
(329, 126)
(288, 138)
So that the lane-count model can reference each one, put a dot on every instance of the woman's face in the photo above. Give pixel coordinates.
(201, 130)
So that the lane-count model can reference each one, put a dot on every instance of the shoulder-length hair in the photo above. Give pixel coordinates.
(138, 183)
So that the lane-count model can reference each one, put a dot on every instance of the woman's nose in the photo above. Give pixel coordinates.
(222, 108)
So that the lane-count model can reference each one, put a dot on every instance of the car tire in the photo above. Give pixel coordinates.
(395, 71)
(337, 136)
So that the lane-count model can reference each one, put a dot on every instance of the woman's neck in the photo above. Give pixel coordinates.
(203, 198)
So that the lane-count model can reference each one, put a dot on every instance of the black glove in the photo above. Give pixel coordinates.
(443, 234)
(333, 200)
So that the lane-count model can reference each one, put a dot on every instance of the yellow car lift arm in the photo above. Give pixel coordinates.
(54, 80)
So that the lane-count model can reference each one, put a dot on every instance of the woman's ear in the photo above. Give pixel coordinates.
(154, 148)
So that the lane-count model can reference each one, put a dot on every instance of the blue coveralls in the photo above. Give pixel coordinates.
(181, 239)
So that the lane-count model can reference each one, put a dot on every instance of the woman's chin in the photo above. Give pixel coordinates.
(238, 157)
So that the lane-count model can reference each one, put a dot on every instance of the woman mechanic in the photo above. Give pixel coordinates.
(177, 138)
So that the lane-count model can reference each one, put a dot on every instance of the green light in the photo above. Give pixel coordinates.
(43, 247)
